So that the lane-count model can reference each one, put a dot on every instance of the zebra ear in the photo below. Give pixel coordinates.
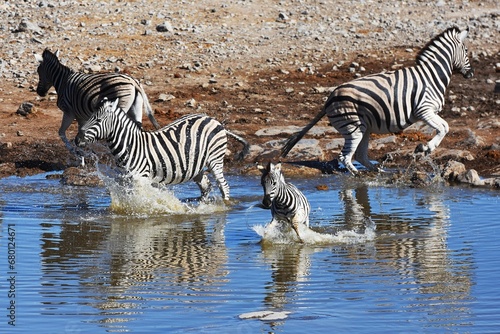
(115, 104)
(261, 168)
(57, 53)
(463, 35)
(38, 58)
(277, 167)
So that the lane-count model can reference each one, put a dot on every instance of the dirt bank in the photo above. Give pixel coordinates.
(249, 67)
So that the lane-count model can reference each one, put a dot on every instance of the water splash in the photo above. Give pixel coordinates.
(284, 235)
(137, 196)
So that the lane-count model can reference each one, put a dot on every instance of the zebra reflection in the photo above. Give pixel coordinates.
(409, 252)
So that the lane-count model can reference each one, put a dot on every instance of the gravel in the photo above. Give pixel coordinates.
(221, 35)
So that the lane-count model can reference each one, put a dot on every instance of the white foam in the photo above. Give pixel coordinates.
(276, 235)
(137, 196)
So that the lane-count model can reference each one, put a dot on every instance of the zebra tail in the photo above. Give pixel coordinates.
(149, 110)
(294, 139)
(246, 145)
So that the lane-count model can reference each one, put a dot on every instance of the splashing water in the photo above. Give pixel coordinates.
(279, 235)
(137, 196)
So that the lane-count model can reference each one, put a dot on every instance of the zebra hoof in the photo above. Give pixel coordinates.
(421, 148)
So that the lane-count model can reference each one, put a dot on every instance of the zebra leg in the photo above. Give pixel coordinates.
(204, 184)
(361, 154)
(216, 169)
(352, 141)
(441, 127)
(67, 119)
(300, 221)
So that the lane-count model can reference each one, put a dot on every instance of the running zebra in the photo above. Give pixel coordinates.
(390, 102)
(174, 154)
(79, 94)
(287, 203)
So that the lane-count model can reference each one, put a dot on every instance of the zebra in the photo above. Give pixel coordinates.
(287, 203)
(80, 93)
(390, 102)
(175, 154)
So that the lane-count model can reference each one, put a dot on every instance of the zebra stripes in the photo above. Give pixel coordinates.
(287, 203)
(390, 102)
(174, 154)
(79, 94)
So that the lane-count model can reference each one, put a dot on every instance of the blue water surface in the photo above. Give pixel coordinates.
(81, 266)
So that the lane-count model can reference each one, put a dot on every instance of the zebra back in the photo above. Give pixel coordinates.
(390, 102)
(81, 93)
(173, 154)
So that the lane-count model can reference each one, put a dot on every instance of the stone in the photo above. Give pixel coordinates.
(28, 26)
(25, 109)
(471, 176)
(75, 176)
(452, 169)
(165, 27)
(473, 139)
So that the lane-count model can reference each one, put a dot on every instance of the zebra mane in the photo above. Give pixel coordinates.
(421, 54)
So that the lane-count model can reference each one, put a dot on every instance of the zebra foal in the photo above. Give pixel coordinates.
(391, 101)
(287, 203)
(79, 94)
(174, 154)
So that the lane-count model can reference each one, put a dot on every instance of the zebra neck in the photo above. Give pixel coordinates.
(283, 194)
(123, 138)
(439, 65)
(60, 76)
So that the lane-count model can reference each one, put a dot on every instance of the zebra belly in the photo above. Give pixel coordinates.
(347, 117)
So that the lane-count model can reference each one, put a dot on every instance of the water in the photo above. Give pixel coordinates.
(396, 259)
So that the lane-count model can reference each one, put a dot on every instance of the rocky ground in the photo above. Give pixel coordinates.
(262, 68)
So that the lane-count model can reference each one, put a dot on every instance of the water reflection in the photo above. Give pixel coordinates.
(85, 268)
(133, 262)
(410, 254)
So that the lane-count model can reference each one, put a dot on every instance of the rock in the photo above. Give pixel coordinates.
(452, 169)
(25, 109)
(75, 176)
(471, 177)
(473, 139)
(265, 315)
(165, 27)
(305, 149)
(191, 103)
(453, 154)
(334, 144)
(291, 129)
(165, 97)
(28, 26)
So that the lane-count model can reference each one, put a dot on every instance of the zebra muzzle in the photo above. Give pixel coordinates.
(469, 74)
(80, 140)
(266, 202)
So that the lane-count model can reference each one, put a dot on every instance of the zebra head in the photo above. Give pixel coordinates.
(97, 127)
(461, 59)
(46, 62)
(270, 181)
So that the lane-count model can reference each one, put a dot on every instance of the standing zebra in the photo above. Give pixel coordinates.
(287, 203)
(390, 102)
(174, 154)
(80, 93)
